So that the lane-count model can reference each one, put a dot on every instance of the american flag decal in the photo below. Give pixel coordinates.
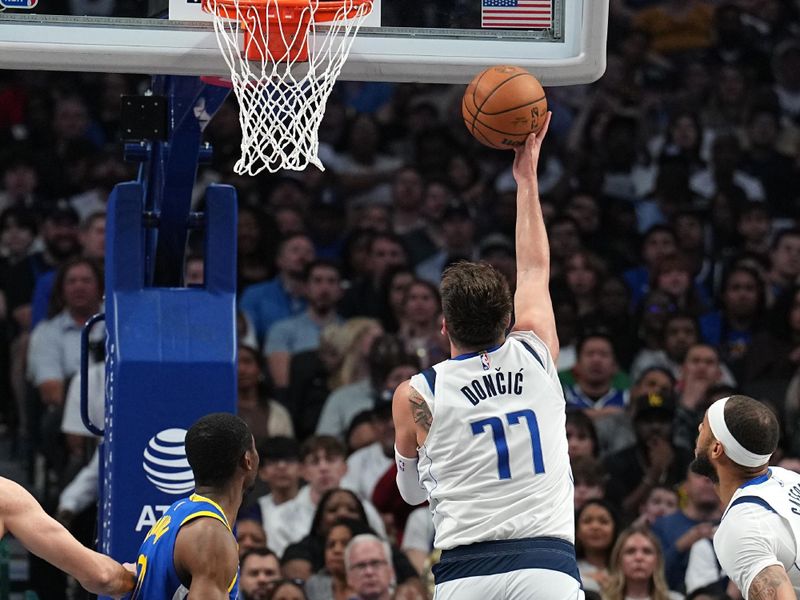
(517, 14)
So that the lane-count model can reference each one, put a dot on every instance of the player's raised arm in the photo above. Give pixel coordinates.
(533, 309)
(206, 552)
(48, 539)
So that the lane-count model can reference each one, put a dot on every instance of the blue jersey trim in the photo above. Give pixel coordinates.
(504, 556)
(757, 480)
(532, 351)
(430, 376)
(751, 500)
(474, 354)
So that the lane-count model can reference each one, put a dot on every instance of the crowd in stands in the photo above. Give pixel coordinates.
(671, 194)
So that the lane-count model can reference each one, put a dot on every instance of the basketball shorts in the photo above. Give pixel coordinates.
(529, 569)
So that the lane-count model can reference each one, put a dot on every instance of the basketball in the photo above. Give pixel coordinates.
(503, 105)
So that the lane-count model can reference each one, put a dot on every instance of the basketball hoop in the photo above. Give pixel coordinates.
(283, 72)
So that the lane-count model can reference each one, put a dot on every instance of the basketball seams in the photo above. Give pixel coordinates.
(476, 119)
(494, 114)
(474, 98)
(490, 128)
(498, 86)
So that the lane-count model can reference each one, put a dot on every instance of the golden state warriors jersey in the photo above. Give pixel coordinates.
(156, 578)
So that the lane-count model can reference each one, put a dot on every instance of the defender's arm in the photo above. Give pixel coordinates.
(409, 410)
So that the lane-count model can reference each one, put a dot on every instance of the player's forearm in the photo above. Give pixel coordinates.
(107, 577)
(533, 250)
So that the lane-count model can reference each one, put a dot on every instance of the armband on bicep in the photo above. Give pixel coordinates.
(408, 479)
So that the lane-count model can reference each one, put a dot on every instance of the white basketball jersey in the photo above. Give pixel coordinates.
(736, 541)
(495, 461)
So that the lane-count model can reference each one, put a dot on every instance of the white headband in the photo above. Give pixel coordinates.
(735, 451)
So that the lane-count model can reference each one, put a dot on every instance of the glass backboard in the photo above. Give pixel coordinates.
(442, 41)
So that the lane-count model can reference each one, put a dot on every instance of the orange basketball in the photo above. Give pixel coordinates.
(503, 105)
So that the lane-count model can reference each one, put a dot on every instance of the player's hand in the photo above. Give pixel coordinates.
(527, 155)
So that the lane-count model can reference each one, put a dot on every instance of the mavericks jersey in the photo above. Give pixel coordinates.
(156, 578)
(760, 528)
(495, 460)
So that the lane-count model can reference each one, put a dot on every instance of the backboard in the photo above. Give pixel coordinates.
(562, 42)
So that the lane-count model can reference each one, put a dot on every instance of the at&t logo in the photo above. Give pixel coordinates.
(165, 463)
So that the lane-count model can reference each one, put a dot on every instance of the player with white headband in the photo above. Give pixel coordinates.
(757, 540)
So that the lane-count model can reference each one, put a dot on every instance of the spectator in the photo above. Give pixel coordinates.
(654, 459)
(701, 371)
(323, 290)
(583, 275)
(458, 236)
(637, 568)
(265, 417)
(279, 468)
(753, 225)
(92, 238)
(595, 384)
(259, 573)
(308, 555)
(286, 589)
(365, 296)
(723, 172)
(330, 583)
(396, 283)
(369, 569)
(253, 248)
(731, 329)
(323, 467)
(250, 536)
(784, 259)
(54, 352)
(613, 306)
(662, 501)
(658, 241)
(590, 480)
(280, 297)
(369, 464)
(581, 435)
(407, 199)
(340, 362)
(421, 324)
(774, 355)
(388, 363)
(694, 521)
(680, 333)
(596, 530)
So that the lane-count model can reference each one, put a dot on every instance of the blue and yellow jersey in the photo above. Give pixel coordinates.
(156, 578)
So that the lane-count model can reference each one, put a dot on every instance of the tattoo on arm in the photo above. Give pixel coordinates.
(419, 409)
(767, 584)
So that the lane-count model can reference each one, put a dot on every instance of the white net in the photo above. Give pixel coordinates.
(282, 95)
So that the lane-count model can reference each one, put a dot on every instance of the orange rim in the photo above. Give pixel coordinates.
(273, 15)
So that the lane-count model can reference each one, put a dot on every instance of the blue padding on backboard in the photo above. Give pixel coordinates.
(171, 358)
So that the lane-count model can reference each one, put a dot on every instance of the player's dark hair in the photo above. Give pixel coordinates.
(215, 445)
(753, 424)
(476, 303)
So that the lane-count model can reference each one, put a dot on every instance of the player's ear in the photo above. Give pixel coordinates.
(444, 327)
(716, 449)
